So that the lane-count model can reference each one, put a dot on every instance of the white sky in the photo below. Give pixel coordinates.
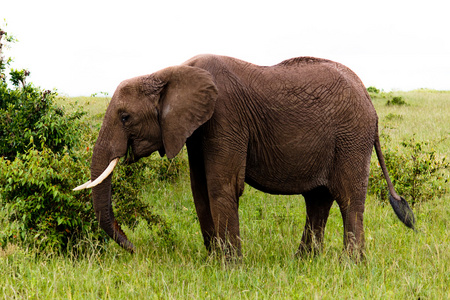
(84, 47)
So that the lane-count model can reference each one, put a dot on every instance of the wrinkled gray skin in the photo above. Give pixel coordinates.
(305, 126)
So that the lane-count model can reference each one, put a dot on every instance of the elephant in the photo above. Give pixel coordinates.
(304, 126)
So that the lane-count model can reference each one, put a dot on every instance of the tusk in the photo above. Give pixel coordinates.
(82, 187)
(105, 174)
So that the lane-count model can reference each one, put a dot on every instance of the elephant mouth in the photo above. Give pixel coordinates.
(162, 151)
(137, 150)
(129, 156)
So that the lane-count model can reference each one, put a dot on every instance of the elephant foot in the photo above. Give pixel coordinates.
(224, 250)
(357, 255)
(352, 257)
(355, 252)
(307, 250)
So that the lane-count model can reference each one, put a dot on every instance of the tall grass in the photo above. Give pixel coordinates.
(425, 116)
(399, 263)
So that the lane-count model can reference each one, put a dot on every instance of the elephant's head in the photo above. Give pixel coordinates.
(156, 112)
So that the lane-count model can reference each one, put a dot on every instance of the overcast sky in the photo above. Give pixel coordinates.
(85, 47)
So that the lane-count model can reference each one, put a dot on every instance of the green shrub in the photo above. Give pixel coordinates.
(39, 166)
(375, 93)
(398, 100)
(419, 174)
(31, 119)
(28, 116)
(372, 89)
(127, 184)
(40, 209)
(393, 117)
(170, 170)
(38, 203)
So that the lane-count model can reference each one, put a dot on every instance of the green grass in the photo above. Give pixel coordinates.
(425, 116)
(95, 107)
(399, 263)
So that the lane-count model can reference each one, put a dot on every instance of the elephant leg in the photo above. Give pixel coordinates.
(351, 199)
(352, 211)
(225, 186)
(318, 205)
(200, 194)
(349, 187)
(226, 220)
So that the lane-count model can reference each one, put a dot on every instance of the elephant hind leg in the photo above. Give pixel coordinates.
(318, 205)
(352, 210)
(348, 184)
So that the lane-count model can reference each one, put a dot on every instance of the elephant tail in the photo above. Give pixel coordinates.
(398, 203)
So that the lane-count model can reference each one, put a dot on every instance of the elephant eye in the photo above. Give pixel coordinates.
(125, 117)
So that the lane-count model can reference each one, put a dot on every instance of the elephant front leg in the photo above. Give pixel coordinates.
(200, 194)
(202, 207)
(226, 221)
(206, 221)
(224, 189)
(225, 162)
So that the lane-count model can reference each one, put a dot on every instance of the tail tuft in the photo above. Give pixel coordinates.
(403, 211)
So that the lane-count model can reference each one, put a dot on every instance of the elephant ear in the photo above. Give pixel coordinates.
(187, 101)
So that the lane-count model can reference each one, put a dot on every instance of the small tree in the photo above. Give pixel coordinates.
(417, 171)
(39, 163)
(29, 116)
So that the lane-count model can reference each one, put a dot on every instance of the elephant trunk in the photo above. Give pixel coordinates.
(101, 194)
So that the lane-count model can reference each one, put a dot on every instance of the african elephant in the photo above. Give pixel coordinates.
(304, 126)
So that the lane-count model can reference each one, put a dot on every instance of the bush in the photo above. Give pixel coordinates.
(40, 209)
(38, 204)
(398, 100)
(393, 117)
(164, 169)
(372, 89)
(375, 93)
(417, 171)
(127, 184)
(38, 167)
(31, 119)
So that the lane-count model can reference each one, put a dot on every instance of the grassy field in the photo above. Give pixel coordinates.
(399, 263)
